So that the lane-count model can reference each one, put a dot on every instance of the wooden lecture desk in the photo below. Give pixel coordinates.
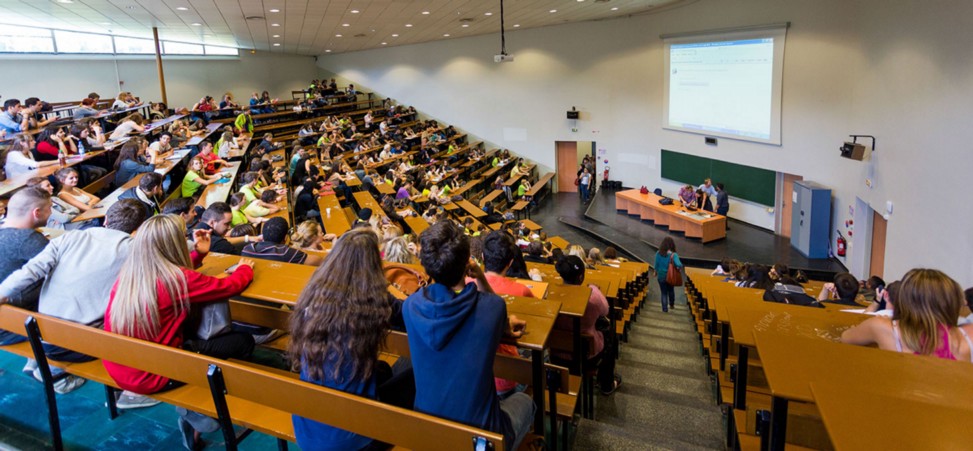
(12, 184)
(861, 417)
(220, 192)
(704, 225)
(283, 282)
(793, 363)
(333, 216)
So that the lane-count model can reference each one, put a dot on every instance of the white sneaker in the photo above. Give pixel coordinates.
(129, 400)
(268, 337)
(30, 367)
(68, 384)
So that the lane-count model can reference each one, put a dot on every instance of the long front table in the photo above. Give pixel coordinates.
(704, 225)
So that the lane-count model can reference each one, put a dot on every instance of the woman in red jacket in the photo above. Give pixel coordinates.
(151, 300)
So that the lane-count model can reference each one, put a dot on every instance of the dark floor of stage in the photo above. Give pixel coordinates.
(563, 214)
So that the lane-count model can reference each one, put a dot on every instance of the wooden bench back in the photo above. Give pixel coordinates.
(173, 363)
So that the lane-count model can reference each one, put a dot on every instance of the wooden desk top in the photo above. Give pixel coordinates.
(792, 362)
(417, 224)
(283, 282)
(12, 184)
(860, 418)
(220, 192)
(538, 289)
(385, 188)
(559, 242)
(473, 210)
(651, 200)
(573, 298)
(745, 318)
(336, 222)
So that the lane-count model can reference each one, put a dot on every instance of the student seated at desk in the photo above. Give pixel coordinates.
(132, 124)
(20, 160)
(160, 149)
(85, 109)
(70, 192)
(196, 178)
(844, 290)
(337, 331)
(238, 203)
(309, 235)
(152, 299)
(453, 319)
(594, 323)
(77, 270)
(212, 163)
(758, 276)
(28, 209)
(131, 162)
(88, 135)
(217, 218)
(264, 206)
(185, 208)
(927, 308)
(274, 247)
(147, 192)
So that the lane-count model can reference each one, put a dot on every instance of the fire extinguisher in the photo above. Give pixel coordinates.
(606, 172)
(842, 245)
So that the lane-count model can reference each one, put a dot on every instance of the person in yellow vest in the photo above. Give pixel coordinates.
(244, 122)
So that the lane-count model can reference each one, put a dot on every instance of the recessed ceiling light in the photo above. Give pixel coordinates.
(446, 35)
(395, 35)
(196, 24)
(276, 35)
(337, 35)
(579, 1)
(276, 44)
(425, 13)
(65, 1)
(615, 9)
(408, 25)
(552, 11)
(466, 25)
(345, 25)
(354, 11)
(487, 14)
(327, 51)
(275, 24)
(182, 8)
(275, 10)
(517, 25)
(385, 43)
(104, 23)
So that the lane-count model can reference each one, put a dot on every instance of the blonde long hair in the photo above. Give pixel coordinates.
(928, 300)
(159, 253)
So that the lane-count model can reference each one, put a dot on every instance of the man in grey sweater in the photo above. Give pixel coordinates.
(28, 209)
(78, 270)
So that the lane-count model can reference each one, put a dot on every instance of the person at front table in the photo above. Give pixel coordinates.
(453, 318)
(70, 192)
(11, 120)
(687, 195)
(927, 308)
(196, 178)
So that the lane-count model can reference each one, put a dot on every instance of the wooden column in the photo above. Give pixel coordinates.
(158, 63)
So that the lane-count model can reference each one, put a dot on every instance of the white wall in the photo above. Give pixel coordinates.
(897, 70)
(64, 78)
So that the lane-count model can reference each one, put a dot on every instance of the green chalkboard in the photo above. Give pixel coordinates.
(746, 182)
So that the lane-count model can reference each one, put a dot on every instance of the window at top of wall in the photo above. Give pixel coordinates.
(15, 39)
(134, 46)
(71, 42)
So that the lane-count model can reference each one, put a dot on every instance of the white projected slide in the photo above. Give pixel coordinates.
(725, 87)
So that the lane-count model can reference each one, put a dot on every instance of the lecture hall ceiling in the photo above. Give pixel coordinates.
(314, 27)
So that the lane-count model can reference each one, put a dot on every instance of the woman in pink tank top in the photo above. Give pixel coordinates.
(927, 308)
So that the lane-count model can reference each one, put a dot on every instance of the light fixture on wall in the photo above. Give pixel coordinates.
(854, 151)
(503, 56)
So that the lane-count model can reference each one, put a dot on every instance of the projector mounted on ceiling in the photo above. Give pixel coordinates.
(503, 56)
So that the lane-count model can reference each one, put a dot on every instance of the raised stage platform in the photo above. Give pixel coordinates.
(640, 238)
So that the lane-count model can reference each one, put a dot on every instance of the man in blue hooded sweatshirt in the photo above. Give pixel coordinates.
(454, 329)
